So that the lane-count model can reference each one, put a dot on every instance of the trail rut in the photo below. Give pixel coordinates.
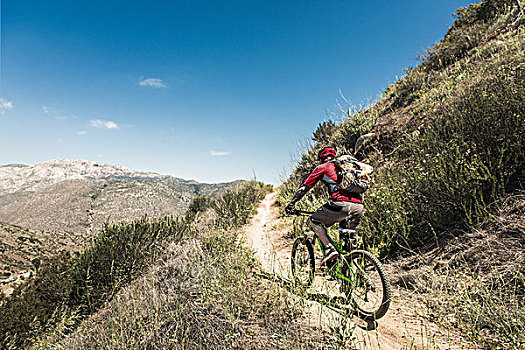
(403, 327)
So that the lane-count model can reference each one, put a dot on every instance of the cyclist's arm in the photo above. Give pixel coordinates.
(315, 176)
(307, 185)
(298, 195)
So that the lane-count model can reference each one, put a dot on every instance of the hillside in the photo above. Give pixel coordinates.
(21, 250)
(79, 196)
(169, 283)
(446, 215)
(447, 141)
(56, 206)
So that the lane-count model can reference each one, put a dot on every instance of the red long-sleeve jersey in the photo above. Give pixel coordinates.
(327, 173)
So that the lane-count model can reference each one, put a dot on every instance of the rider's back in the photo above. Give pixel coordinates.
(328, 174)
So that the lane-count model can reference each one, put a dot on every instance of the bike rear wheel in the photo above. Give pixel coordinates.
(303, 262)
(370, 290)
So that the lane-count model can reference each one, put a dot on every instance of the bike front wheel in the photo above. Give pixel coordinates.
(370, 289)
(303, 262)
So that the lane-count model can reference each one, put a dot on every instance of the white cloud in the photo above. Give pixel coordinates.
(103, 124)
(82, 132)
(219, 153)
(5, 105)
(45, 109)
(100, 155)
(153, 82)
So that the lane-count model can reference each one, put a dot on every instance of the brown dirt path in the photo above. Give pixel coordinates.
(403, 327)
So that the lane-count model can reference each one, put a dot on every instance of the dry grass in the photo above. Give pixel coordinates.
(201, 294)
(476, 281)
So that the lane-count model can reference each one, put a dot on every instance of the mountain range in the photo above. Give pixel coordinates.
(80, 195)
(57, 205)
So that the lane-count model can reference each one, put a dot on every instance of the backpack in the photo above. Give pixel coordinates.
(355, 176)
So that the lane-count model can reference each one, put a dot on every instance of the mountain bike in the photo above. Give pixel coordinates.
(357, 273)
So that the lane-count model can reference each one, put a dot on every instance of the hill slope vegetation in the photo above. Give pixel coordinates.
(448, 144)
(447, 141)
(181, 283)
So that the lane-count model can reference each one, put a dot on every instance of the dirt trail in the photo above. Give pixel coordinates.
(403, 327)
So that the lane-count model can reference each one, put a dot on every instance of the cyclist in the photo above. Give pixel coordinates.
(343, 206)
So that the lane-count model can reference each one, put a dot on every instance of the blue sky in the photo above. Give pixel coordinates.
(206, 90)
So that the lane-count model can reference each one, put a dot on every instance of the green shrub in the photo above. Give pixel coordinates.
(468, 155)
(385, 224)
(235, 207)
(119, 253)
(201, 294)
(198, 205)
(71, 286)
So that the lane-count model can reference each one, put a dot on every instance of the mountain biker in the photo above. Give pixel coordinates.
(343, 206)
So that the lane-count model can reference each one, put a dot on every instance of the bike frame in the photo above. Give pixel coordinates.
(349, 269)
(339, 247)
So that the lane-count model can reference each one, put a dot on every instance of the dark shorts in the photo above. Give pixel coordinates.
(347, 213)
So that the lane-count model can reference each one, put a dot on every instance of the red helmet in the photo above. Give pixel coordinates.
(325, 153)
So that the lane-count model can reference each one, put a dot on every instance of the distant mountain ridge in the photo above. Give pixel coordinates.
(16, 177)
(80, 195)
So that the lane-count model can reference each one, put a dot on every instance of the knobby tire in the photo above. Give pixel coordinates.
(303, 262)
(374, 277)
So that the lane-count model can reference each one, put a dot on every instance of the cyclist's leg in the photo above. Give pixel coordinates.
(324, 217)
(353, 219)
(320, 230)
(354, 213)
